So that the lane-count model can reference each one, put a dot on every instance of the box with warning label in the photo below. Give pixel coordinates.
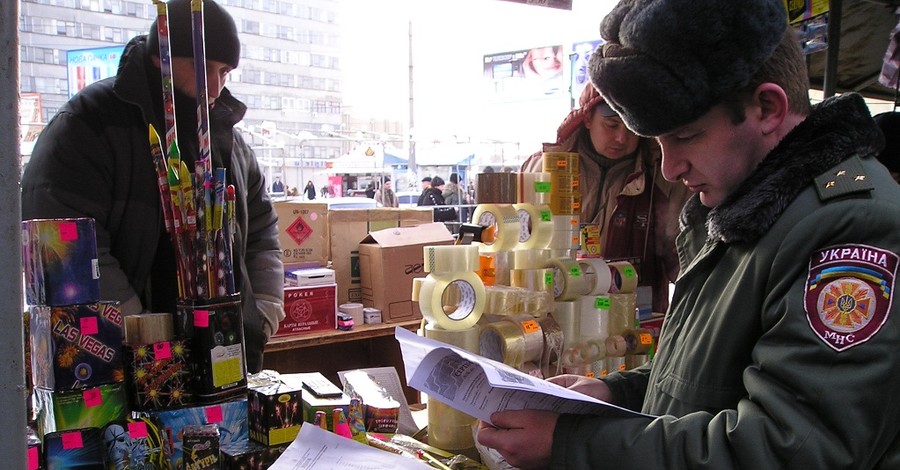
(302, 231)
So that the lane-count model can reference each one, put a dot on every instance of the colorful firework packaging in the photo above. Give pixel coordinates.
(159, 375)
(135, 443)
(91, 407)
(276, 413)
(59, 261)
(78, 448)
(249, 455)
(200, 447)
(76, 346)
(230, 417)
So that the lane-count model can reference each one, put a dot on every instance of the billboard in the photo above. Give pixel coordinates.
(30, 121)
(86, 66)
(524, 74)
(581, 54)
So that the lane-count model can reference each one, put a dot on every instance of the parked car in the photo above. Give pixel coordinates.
(408, 198)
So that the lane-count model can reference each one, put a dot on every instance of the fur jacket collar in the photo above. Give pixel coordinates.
(836, 129)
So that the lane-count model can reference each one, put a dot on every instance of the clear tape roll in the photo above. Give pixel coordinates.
(503, 341)
(540, 280)
(535, 226)
(565, 222)
(565, 240)
(355, 310)
(624, 277)
(534, 337)
(502, 300)
(530, 259)
(416, 288)
(537, 303)
(505, 221)
(466, 339)
(553, 346)
(593, 319)
(621, 312)
(597, 274)
(464, 312)
(567, 316)
(450, 258)
(534, 188)
(563, 253)
(448, 428)
(568, 283)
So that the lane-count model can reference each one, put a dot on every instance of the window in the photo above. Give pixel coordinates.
(250, 27)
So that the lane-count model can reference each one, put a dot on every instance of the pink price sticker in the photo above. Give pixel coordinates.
(89, 326)
(33, 458)
(92, 397)
(68, 231)
(213, 414)
(162, 350)
(72, 440)
(201, 318)
(137, 430)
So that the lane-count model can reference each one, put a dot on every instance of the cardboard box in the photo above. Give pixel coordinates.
(79, 448)
(59, 261)
(307, 309)
(159, 375)
(303, 232)
(347, 227)
(388, 262)
(311, 403)
(276, 413)
(134, 443)
(308, 277)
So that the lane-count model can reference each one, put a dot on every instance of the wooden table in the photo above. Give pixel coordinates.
(331, 351)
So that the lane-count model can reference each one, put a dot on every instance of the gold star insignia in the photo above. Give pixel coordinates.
(829, 184)
(841, 173)
(860, 178)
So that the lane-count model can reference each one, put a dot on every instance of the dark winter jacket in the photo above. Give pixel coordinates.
(780, 347)
(93, 160)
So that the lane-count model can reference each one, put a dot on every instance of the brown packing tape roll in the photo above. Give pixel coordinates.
(565, 205)
(467, 339)
(449, 429)
(496, 188)
(624, 277)
(149, 328)
(504, 342)
(566, 184)
(560, 161)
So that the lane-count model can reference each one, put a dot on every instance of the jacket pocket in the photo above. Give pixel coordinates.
(687, 396)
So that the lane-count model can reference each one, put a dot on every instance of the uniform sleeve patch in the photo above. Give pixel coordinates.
(849, 293)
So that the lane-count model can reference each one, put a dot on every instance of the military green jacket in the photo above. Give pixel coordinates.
(780, 348)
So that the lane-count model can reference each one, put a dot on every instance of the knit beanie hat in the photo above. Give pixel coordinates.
(665, 63)
(222, 43)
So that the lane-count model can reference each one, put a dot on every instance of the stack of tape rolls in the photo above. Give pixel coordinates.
(538, 279)
(534, 188)
(496, 188)
(568, 283)
(624, 277)
(503, 341)
(597, 275)
(566, 314)
(451, 276)
(538, 304)
(594, 318)
(530, 259)
(502, 300)
(505, 221)
(621, 312)
(566, 233)
(615, 364)
(535, 226)
(564, 179)
(355, 310)
(467, 338)
(494, 267)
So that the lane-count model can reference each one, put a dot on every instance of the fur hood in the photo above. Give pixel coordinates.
(836, 130)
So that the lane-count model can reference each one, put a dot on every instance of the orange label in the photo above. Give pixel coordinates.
(530, 326)
(646, 338)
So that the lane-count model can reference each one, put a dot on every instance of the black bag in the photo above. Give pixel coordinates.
(445, 214)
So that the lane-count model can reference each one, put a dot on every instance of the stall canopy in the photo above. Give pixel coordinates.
(369, 158)
(865, 30)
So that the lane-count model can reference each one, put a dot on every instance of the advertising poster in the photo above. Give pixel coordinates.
(30, 121)
(524, 74)
(86, 66)
(801, 10)
(581, 54)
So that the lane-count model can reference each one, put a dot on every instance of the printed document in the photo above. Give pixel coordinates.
(478, 386)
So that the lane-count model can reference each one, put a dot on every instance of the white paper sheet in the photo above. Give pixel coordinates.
(479, 386)
(316, 448)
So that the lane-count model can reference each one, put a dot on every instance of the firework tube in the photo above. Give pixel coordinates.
(218, 232)
(228, 263)
(159, 163)
(165, 70)
(201, 86)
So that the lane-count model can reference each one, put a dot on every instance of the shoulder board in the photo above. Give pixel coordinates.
(847, 177)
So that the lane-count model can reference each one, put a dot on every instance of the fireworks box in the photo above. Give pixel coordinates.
(34, 458)
(135, 443)
(201, 447)
(73, 409)
(276, 413)
(302, 228)
(76, 346)
(249, 455)
(159, 375)
(311, 403)
(231, 418)
(215, 332)
(307, 309)
(59, 261)
(77, 448)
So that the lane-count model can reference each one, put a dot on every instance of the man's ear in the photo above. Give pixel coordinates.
(773, 106)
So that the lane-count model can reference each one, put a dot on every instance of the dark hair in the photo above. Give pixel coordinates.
(427, 178)
(454, 178)
(437, 181)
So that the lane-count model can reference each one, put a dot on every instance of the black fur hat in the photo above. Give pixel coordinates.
(221, 37)
(665, 63)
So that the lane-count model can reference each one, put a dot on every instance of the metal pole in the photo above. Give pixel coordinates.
(834, 45)
(12, 372)
(412, 142)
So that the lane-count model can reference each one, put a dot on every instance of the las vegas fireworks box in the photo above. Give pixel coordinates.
(76, 346)
(309, 308)
(59, 261)
(73, 409)
(276, 413)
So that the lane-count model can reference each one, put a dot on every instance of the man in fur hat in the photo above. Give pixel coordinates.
(93, 160)
(780, 342)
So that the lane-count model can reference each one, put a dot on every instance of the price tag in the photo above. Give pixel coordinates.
(201, 318)
(72, 440)
(89, 325)
(575, 271)
(546, 216)
(530, 326)
(213, 414)
(162, 350)
(92, 397)
(33, 458)
(602, 303)
(629, 272)
(68, 231)
(137, 430)
(646, 339)
(542, 186)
